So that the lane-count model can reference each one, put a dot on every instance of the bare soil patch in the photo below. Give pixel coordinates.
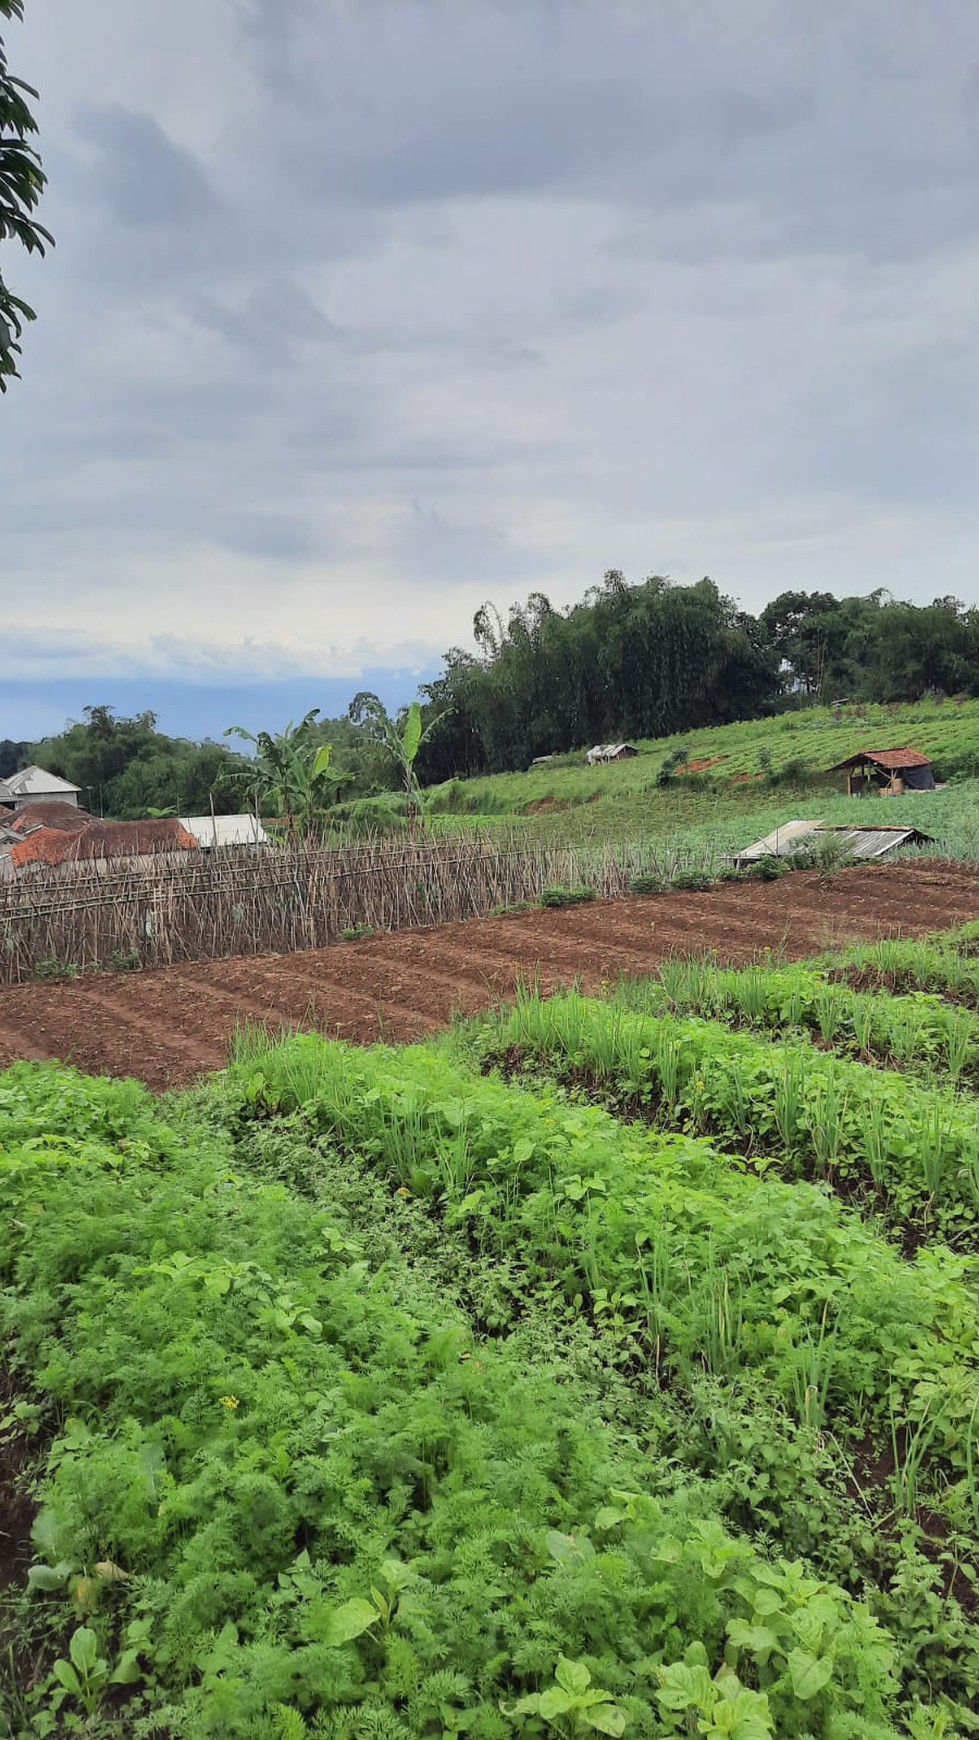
(172, 1024)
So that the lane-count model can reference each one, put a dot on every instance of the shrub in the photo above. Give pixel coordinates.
(566, 896)
(648, 884)
(692, 881)
(675, 759)
(54, 969)
(768, 869)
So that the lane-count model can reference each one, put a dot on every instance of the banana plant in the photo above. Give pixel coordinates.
(403, 743)
(292, 773)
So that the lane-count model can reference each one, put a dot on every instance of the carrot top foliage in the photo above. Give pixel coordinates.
(369, 1394)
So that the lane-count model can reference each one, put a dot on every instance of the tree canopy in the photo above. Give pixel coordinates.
(652, 659)
(22, 182)
(126, 768)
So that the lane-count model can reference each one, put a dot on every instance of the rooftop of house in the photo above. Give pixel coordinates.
(34, 781)
(52, 813)
(850, 841)
(243, 830)
(54, 846)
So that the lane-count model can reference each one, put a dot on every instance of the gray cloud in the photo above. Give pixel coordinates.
(361, 312)
(141, 177)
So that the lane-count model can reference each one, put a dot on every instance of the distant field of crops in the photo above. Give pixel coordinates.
(750, 778)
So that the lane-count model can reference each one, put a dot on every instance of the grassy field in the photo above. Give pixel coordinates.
(704, 823)
(600, 1367)
(806, 743)
(761, 775)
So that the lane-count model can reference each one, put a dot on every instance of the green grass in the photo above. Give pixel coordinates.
(786, 759)
(813, 739)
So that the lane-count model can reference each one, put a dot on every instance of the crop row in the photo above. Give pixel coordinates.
(917, 1030)
(706, 1265)
(946, 967)
(892, 1144)
(738, 1295)
(286, 1493)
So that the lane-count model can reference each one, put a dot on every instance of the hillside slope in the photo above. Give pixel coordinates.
(804, 744)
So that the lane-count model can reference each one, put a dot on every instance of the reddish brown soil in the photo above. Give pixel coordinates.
(170, 1025)
(701, 763)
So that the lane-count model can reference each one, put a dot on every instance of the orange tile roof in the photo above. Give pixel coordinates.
(52, 846)
(891, 758)
(67, 818)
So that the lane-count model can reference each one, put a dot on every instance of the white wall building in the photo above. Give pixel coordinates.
(32, 785)
(211, 831)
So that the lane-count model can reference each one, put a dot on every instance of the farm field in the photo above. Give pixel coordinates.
(809, 740)
(605, 1364)
(168, 1025)
(734, 784)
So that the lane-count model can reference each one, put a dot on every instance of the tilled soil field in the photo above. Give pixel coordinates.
(171, 1025)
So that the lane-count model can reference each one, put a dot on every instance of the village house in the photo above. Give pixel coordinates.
(121, 844)
(35, 785)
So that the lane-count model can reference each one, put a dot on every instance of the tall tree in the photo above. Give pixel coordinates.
(22, 182)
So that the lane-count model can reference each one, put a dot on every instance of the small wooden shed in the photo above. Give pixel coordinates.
(888, 771)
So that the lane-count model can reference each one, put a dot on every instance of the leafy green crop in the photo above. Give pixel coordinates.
(376, 1398)
(917, 1030)
(909, 1150)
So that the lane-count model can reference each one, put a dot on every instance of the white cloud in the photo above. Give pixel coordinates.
(363, 313)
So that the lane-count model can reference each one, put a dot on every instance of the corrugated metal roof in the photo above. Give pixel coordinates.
(853, 842)
(611, 751)
(871, 842)
(892, 759)
(779, 842)
(211, 831)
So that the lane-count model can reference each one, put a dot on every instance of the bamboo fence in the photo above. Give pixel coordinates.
(196, 906)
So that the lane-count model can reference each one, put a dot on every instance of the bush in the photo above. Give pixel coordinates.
(649, 884)
(675, 759)
(692, 881)
(53, 969)
(768, 869)
(566, 896)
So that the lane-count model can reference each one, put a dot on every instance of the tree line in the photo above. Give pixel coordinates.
(655, 658)
(643, 660)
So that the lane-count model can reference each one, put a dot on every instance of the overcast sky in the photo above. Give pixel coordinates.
(363, 312)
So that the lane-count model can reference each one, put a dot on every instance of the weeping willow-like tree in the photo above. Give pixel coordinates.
(21, 184)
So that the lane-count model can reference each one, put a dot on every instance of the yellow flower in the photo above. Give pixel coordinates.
(230, 1402)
